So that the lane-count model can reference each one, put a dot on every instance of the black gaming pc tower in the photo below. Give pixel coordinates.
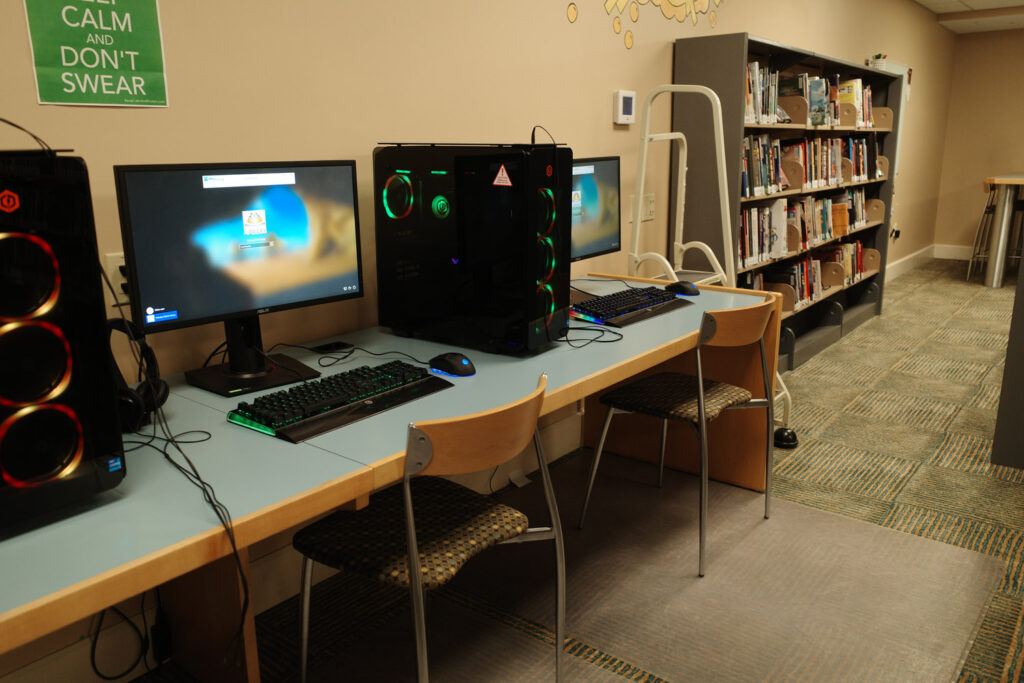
(473, 243)
(60, 439)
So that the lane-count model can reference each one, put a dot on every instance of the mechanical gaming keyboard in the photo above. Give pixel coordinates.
(317, 406)
(627, 306)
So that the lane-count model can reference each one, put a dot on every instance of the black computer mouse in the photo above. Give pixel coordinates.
(682, 287)
(452, 363)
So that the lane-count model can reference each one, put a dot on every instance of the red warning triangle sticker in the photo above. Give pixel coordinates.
(502, 178)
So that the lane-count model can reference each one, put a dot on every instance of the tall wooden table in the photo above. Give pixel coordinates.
(1006, 186)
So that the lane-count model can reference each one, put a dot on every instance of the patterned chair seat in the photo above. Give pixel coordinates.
(672, 395)
(453, 524)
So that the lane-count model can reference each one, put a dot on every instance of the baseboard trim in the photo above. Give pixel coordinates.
(954, 252)
(908, 263)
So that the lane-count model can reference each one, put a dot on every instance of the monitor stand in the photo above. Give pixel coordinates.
(248, 369)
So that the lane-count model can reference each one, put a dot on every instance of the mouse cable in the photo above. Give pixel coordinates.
(603, 279)
(579, 343)
(328, 359)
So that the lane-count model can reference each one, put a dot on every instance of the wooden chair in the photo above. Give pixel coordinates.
(696, 400)
(423, 547)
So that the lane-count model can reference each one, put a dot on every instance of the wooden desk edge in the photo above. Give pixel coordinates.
(44, 615)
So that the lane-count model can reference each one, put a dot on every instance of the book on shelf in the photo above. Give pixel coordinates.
(850, 256)
(762, 233)
(762, 166)
(817, 101)
(833, 99)
(852, 92)
(812, 218)
(804, 276)
(840, 218)
(761, 94)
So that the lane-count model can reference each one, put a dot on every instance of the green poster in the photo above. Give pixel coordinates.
(101, 52)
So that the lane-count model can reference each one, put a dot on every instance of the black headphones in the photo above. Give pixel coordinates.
(135, 405)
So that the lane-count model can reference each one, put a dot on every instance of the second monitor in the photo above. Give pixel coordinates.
(227, 242)
(596, 212)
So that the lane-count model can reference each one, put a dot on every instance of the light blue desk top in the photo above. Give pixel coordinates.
(156, 507)
(499, 378)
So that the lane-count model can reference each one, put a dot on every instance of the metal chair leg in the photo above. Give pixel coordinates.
(661, 459)
(703, 494)
(593, 465)
(979, 252)
(307, 583)
(769, 459)
(420, 626)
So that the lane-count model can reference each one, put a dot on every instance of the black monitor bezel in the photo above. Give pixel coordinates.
(618, 162)
(135, 305)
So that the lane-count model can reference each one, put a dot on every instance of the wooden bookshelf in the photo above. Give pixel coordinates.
(720, 63)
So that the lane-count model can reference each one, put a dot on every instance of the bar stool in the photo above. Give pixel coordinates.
(980, 251)
(1015, 248)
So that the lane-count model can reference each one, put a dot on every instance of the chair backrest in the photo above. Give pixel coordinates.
(736, 326)
(471, 443)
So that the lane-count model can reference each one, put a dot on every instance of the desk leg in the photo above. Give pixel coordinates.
(203, 608)
(1000, 235)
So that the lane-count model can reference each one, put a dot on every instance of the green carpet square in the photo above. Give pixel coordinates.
(968, 453)
(987, 396)
(987, 658)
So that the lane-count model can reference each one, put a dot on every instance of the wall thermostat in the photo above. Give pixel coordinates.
(624, 107)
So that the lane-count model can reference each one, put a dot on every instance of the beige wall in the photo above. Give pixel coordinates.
(261, 80)
(983, 137)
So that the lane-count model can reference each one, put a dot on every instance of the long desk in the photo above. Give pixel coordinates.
(155, 529)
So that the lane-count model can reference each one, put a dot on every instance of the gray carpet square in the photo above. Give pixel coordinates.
(894, 382)
(976, 421)
(901, 441)
(949, 369)
(966, 494)
(970, 338)
(908, 410)
(979, 354)
(847, 469)
(826, 371)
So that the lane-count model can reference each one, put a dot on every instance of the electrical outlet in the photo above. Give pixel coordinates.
(113, 266)
(647, 212)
